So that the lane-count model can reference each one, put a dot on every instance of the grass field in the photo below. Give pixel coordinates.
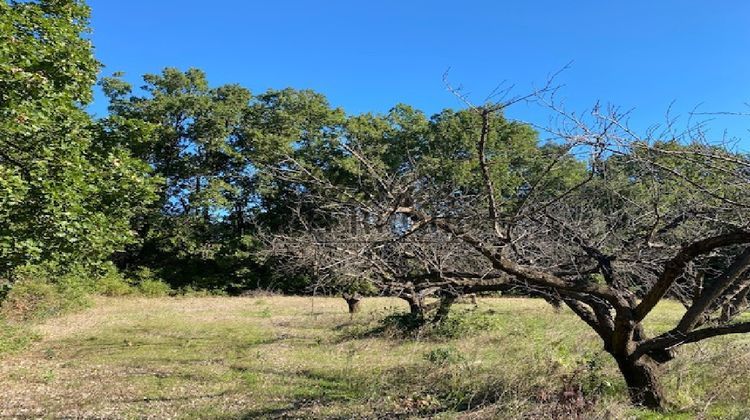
(299, 357)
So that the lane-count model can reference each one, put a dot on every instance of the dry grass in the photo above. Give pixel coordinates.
(298, 357)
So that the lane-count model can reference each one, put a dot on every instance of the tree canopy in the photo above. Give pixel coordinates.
(66, 193)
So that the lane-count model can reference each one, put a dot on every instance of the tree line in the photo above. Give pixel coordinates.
(219, 188)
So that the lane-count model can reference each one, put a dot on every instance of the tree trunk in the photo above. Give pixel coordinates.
(416, 305)
(643, 382)
(443, 309)
(353, 301)
(738, 304)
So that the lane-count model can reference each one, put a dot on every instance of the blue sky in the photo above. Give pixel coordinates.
(368, 56)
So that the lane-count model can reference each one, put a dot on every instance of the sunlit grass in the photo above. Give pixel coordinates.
(306, 357)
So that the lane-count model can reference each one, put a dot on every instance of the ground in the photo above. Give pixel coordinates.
(302, 357)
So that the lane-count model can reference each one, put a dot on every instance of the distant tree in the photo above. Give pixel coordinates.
(186, 131)
(66, 195)
(207, 145)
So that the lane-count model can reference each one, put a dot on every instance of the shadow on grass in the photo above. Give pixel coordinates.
(179, 398)
(310, 390)
(99, 348)
(293, 410)
(460, 323)
(397, 326)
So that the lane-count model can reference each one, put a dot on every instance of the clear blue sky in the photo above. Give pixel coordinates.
(370, 55)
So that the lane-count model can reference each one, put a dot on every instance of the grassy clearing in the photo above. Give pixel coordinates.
(298, 357)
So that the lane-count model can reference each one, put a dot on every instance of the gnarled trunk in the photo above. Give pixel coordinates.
(416, 305)
(642, 378)
(353, 301)
(443, 308)
(738, 304)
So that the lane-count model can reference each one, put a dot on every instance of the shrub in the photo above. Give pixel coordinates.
(30, 299)
(466, 322)
(458, 323)
(148, 283)
(114, 286)
(110, 282)
(443, 356)
(33, 299)
(154, 288)
(5, 286)
(40, 291)
(141, 274)
(75, 290)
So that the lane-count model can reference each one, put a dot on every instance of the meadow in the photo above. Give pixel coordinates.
(303, 357)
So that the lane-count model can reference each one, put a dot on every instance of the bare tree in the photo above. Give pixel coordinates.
(359, 258)
(652, 216)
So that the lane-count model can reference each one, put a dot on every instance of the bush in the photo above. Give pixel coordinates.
(110, 282)
(34, 299)
(443, 356)
(40, 291)
(466, 322)
(5, 286)
(458, 323)
(154, 288)
(31, 299)
(401, 322)
(114, 286)
(75, 290)
(148, 284)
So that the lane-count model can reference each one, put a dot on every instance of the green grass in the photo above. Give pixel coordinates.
(300, 357)
(15, 337)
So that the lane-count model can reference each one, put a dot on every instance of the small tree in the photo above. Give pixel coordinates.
(414, 268)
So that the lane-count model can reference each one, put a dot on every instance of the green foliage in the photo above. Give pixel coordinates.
(154, 288)
(65, 196)
(75, 291)
(443, 149)
(113, 286)
(14, 338)
(593, 377)
(210, 147)
(400, 324)
(195, 233)
(31, 299)
(37, 294)
(174, 178)
(144, 281)
(460, 322)
(443, 356)
(206, 146)
(467, 322)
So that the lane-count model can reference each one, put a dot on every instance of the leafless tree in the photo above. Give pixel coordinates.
(656, 215)
(360, 258)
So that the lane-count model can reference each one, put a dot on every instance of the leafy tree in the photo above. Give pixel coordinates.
(283, 124)
(66, 195)
(207, 145)
(185, 130)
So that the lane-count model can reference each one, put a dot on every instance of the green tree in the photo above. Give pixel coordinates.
(185, 130)
(66, 194)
